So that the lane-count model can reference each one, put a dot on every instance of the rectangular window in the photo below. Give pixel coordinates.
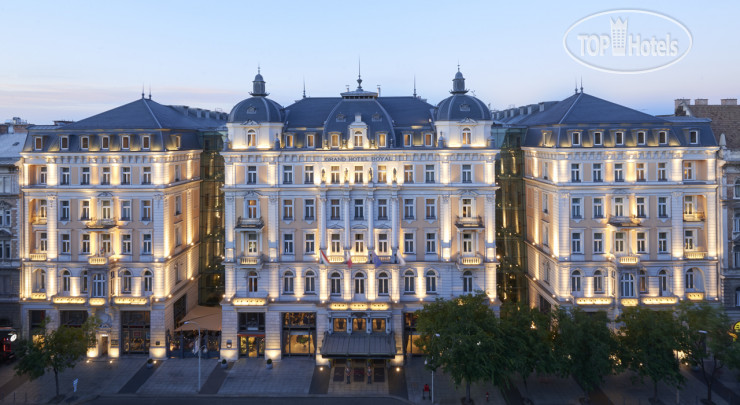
(64, 142)
(662, 137)
(619, 242)
(597, 172)
(641, 137)
(618, 172)
(335, 209)
(146, 245)
(467, 242)
(431, 208)
(466, 205)
(619, 138)
(42, 175)
(575, 138)
(309, 209)
(64, 176)
(287, 210)
(251, 174)
(358, 139)
(597, 138)
(467, 173)
(85, 244)
(382, 140)
(145, 142)
(545, 170)
(598, 207)
(575, 172)
(288, 140)
(288, 244)
(545, 205)
(428, 139)
(640, 171)
(640, 205)
(663, 207)
(408, 173)
(178, 205)
(575, 208)
(618, 206)
(125, 142)
(126, 210)
(66, 243)
(359, 209)
(146, 175)
(688, 170)
(308, 174)
(42, 209)
(662, 242)
(641, 242)
(406, 139)
(598, 242)
(336, 244)
(359, 174)
(105, 142)
(125, 175)
(360, 243)
(63, 210)
(105, 177)
(84, 209)
(408, 208)
(408, 242)
(126, 244)
(251, 242)
(177, 141)
(334, 140)
(662, 172)
(310, 142)
(287, 174)
(85, 178)
(575, 242)
(43, 242)
(693, 137)
(178, 172)
(382, 175)
(689, 207)
(383, 243)
(429, 173)
(84, 143)
(310, 243)
(335, 175)
(382, 209)
(431, 243)
(252, 209)
(689, 242)
(106, 208)
(146, 210)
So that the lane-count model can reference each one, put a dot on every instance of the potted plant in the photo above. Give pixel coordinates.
(269, 364)
(149, 363)
(223, 363)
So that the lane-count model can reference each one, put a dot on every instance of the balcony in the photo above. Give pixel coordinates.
(336, 259)
(38, 257)
(469, 222)
(696, 216)
(103, 223)
(250, 223)
(38, 220)
(470, 260)
(97, 260)
(695, 255)
(250, 260)
(359, 259)
(623, 222)
(629, 260)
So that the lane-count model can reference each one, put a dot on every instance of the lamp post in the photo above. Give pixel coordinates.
(196, 348)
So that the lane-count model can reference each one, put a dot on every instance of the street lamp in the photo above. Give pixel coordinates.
(198, 348)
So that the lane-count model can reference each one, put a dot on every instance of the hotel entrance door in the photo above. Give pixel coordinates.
(251, 346)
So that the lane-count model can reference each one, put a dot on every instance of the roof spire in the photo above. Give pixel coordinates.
(576, 86)
(458, 65)
(142, 91)
(414, 86)
(258, 68)
(150, 91)
(581, 84)
(258, 85)
(304, 86)
(458, 84)
(359, 74)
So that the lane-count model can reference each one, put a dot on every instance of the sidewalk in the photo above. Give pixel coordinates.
(621, 390)
(290, 376)
(444, 389)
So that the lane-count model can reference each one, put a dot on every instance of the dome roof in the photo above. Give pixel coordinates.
(258, 109)
(460, 106)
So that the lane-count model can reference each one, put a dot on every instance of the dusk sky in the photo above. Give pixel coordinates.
(73, 59)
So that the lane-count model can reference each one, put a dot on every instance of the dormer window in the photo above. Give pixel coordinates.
(84, 143)
(619, 138)
(428, 139)
(38, 143)
(145, 142)
(467, 136)
(597, 138)
(693, 137)
(382, 143)
(575, 138)
(341, 118)
(251, 138)
(176, 140)
(105, 142)
(251, 110)
(334, 140)
(125, 142)
(663, 137)
(287, 140)
(464, 107)
(641, 137)
(64, 143)
(358, 139)
(310, 142)
(377, 118)
(407, 139)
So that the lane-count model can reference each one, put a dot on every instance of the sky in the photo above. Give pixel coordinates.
(73, 59)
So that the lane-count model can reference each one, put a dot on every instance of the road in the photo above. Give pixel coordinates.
(207, 399)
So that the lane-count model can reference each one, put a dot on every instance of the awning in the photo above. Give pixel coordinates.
(358, 345)
(208, 318)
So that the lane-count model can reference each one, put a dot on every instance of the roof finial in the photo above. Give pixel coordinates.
(414, 86)
(150, 91)
(576, 86)
(142, 91)
(258, 68)
(581, 84)
(458, 65)
(359, 74)
(304, 86)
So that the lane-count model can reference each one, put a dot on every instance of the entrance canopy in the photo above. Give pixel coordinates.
(358, 345)
(208, 318)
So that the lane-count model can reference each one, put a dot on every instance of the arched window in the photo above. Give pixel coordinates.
(468, 282)
(409, 281)
(310, 284)
(466, 136)
(252, 281)
(690, 279)
(148, 279)
(662, 282)
(575, 281)
(98, 288)
(251, 138)
(85, 281)
(39, 280)
(288, 282)
(598, 281)
(66, 281)
(336, 283)
(431, 282)
(643, 281)
(125, 282)
(359, 283)
(627, 285)
(358, 139)
(382, 283)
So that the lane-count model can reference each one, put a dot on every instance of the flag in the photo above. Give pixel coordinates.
(376, 260)
(399, 258)
(323, 257)
(349, 259)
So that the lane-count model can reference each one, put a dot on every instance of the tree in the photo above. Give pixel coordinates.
(648, 341)
(708, 344)
(463, 337)
(585, 348)
(529, 339)
(55, 350)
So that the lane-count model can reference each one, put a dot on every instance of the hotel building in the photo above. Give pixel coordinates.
(344, 215)
(619, 205)
(110, 223)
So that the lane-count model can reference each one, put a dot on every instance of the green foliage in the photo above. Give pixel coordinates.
(464, 337)
(55, 350)
(584, 347)
(648, 341)
(529, 339)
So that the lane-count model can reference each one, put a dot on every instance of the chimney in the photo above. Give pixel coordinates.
(701, 101)
(679, 101)
(729, 101)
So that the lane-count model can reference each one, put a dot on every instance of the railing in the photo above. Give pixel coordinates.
(242, 222)
(250, 260)
(385, 259)
(103, 223)
(469, 222)
(97, 260)
(629, 260)
(359, 259)
(695, 216)
(695, 296)
(471, 260)
(38, 221)
(38, 257)
(336, 259)
(695, 255)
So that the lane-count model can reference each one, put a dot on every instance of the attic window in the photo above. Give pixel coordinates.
(597, 138)
(251, 110)
(663, 137)
(340, 117)
(619, 138)
(38, 143)
(84, 143)
(176, 140)
(64, 142)
(377, 117)
(641, 137)
(464, 107)
(575, 138)
(694, 137)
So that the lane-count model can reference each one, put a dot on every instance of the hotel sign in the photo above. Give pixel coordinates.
(249, 302)
(357, 159)
(130, 300)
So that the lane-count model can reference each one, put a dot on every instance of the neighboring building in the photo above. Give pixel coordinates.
(617, 205)
(403, 189)
(12, 140)
(725, 123)
(110, 221)
(14, 126)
